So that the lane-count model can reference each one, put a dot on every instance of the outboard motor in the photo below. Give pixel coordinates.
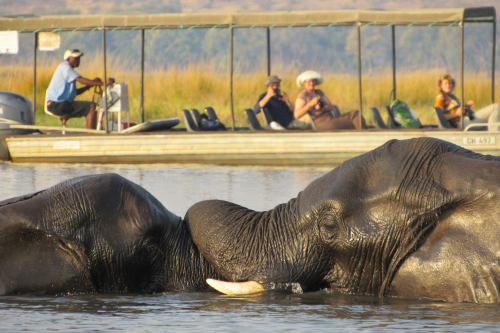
(15, 109)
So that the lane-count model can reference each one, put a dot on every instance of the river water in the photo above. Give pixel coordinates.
(178, 187)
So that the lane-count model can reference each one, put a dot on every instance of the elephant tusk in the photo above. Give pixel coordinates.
(236, 288)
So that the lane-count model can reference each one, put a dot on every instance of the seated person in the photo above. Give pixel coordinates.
(315, 103)
(279, 106)
(450, 104)
(62, 90)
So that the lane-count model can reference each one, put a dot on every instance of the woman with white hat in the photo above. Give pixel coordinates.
(314, 102)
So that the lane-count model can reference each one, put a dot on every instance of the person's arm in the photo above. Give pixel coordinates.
(328, 105)
(291, 107)
(88, 84)
(270, 94)
(301, 107)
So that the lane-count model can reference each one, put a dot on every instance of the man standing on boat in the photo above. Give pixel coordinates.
(62, 91)
(277, 103)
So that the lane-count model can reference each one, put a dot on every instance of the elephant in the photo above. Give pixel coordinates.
(411, 219)
(99, 233)
(415, 218)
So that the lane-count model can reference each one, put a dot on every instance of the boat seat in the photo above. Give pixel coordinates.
(196, 115)
(391, 122)
(253, 122)
(379, 122)
(336, 111)
(443, 123)
(190, 123)
(63, 119)
(211, 113)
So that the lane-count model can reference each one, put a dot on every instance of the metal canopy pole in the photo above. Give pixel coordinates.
(104, 65)
(393, 29)
(359, 77)
(493, 62)
(142, 75)
(231, 74)
(35, 45)
(462, 72)
(268, 51)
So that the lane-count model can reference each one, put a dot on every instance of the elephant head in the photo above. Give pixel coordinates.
(350, 230)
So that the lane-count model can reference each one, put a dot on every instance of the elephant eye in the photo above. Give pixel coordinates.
(328, 227)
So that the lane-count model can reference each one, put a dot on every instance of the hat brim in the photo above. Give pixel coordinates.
(309, 75)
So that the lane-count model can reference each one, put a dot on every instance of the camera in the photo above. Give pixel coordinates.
(320, 101)
(277, 92)
(468, 112)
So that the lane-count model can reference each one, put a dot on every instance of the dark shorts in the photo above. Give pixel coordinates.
(73, 109)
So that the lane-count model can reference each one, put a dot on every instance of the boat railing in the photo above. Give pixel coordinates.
(481, 125)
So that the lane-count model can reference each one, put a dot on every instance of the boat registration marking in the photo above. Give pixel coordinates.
(67, 145)
(479, 140)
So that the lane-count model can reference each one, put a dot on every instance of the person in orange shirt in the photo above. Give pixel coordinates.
(453, 111)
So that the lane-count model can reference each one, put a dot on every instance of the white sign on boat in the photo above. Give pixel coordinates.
(479, 140)
(9, 42)
(67, 145)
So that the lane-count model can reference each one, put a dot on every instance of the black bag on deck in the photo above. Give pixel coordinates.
(206, 124)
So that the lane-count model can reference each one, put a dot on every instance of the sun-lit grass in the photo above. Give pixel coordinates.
(168, 91)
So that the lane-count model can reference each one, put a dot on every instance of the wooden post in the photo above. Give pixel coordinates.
(493, 62)
(104, 65)
(231, 74)
(359, 77)
(268, 51)
(393, 29)
(462, 72)
(35, 45)
(142, 75)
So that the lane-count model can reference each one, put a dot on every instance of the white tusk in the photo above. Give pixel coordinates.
(236, 288)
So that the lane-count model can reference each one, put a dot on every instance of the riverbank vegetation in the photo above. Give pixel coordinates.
(168, 91)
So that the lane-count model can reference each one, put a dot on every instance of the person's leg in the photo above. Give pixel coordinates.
(488, 114)
(494, 117)
(92, 117)
(297, 124)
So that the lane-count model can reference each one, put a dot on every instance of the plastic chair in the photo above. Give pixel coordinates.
(391, 122)
(253, 122)
(443, 123)
(379, 123)
(190, 123)
(336, 111)
(268, 119)
(196, 115)
(61, 118)
(211, 113)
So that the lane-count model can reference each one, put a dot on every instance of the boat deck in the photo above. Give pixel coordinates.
(287, 148)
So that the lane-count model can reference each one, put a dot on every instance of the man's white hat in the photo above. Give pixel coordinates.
(309, 75)
(72, 53)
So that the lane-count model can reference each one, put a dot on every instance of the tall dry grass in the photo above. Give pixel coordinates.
(168, 91)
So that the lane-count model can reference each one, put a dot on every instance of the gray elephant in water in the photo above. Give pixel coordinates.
(413, 219)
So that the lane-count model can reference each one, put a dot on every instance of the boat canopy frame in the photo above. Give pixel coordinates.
(451, 17)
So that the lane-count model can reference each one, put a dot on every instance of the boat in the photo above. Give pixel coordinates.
(236, 146)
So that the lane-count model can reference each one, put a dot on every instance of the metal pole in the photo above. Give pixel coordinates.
(493, 62)
(393, 28)
(104, 65)
(359, 77)
(462, 70)
(231, 73)
(35, 45)
(142, 75)
(268, 51)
